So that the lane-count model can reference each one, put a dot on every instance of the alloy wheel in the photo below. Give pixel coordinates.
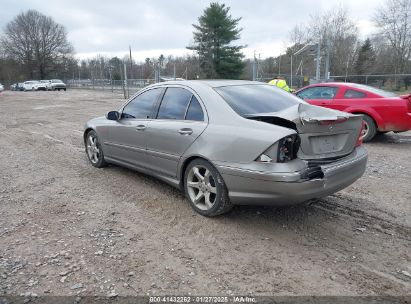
(93, 148)
(365, 130)
(201, 187)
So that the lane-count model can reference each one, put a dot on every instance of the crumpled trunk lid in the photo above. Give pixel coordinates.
(324, 133)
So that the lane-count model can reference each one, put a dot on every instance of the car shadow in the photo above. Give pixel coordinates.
(306, 214)
(392, 138)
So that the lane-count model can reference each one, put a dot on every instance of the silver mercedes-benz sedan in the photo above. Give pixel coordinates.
(228, 142)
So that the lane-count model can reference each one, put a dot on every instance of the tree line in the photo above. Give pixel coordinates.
(35, 46)
(388, 51)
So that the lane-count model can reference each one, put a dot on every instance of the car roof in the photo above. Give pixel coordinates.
(214, 83)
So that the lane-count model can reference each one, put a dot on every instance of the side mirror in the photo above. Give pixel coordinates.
(113, 115)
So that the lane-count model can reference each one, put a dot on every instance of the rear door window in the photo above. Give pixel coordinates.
(174, 104)
(194, 111)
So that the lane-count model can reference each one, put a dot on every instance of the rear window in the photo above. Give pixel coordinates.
(256, 99)
(354, 94)
(374, 90)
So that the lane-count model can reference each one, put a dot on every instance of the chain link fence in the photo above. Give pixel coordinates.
(129, 86)
(390, 82)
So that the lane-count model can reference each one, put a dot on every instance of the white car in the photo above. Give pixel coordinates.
(41, 86)
(56, 84)
(1, 88)
(30, 85)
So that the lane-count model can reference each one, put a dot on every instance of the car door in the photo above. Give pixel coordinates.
(127, 137)
(180, 120)
(319, 95)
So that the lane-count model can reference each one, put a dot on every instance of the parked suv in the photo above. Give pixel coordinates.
(57, 84)
(1, 88)
(30, 85)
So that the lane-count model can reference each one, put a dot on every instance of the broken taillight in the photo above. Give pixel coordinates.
(282, 151)
(288, 148)
(360, 135)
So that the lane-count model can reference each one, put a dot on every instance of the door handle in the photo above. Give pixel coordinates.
(185, 131)
(141, 127)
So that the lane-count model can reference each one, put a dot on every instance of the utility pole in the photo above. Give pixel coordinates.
(174, 71)
(131, 63)
(317, 72)
(254, 68)
(279, 65)
(291, 72)
(126, 89)
(110, 70)
(327, 61)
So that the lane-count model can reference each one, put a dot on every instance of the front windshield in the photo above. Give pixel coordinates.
(380, 92)
(255, 99)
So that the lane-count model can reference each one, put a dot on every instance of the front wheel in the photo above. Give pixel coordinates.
(205, 189)
(94, 151)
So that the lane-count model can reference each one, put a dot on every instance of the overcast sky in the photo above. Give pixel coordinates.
(165, 27)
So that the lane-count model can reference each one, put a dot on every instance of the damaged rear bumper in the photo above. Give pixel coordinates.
(247, 186)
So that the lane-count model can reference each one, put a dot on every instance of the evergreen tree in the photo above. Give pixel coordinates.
(213, 35)
(365, 59)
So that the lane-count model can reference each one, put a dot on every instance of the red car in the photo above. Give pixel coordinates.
(383, 111)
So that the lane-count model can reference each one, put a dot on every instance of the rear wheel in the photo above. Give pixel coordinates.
(205, 189)
(94, 150)
(369, 129)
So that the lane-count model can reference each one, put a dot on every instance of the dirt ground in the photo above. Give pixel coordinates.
(68, 228)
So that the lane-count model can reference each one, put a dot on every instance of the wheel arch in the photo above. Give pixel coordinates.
(372, 114)
(86, 131)
(184, 165)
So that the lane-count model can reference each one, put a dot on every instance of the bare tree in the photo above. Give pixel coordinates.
(298, 35)
(36, 41)
(340, 32)
(394, 22)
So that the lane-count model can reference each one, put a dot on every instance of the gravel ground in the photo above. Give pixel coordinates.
(67, 228)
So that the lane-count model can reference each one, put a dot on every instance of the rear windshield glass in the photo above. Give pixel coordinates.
(256, 99)
(374, 90)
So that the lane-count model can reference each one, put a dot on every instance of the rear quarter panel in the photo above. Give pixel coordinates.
(390, 114)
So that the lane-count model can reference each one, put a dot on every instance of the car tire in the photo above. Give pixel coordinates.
(94, 150)
(370, 129)
(64, 90)
(205, 189)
